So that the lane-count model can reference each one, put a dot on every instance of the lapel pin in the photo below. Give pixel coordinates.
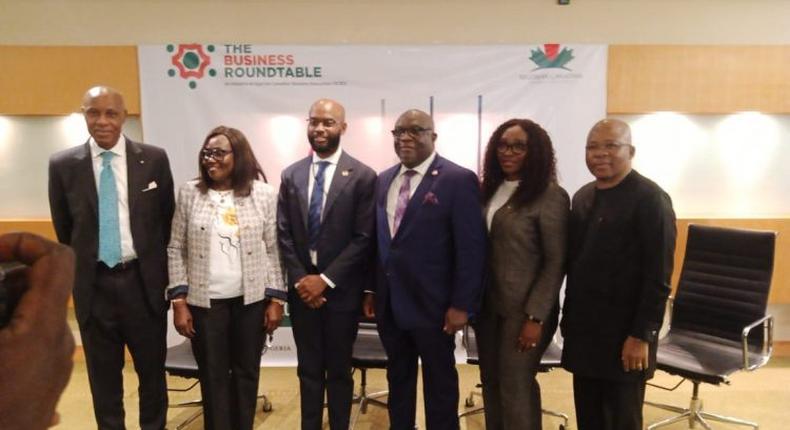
(434, 172)
(344, 172)
(142, 161)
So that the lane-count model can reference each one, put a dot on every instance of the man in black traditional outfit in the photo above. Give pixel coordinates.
(621, 247)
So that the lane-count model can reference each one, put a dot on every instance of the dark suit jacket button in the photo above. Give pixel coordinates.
(201, 256)
(249, 252)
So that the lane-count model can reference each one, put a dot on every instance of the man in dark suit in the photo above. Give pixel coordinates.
(621, 248)
(111, 199)
(326, 224)
(431, 247)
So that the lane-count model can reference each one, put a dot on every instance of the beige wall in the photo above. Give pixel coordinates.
(115, 22)
(625, 22)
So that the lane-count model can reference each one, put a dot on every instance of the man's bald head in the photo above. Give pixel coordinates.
(326, 123)
(614, 127)
(105, 113)
(414, 137)
(102, 90)
(417, 116)
(609, 152)
(331, 106)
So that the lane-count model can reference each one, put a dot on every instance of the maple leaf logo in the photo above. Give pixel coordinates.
(551, 57)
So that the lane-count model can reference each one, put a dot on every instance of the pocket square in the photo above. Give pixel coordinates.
(151, 186)
(430, 198)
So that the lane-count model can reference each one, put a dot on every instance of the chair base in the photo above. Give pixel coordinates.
(560, 415)
(470, 402)
(267, 404)
(364, 399)
(695, 415)
(267, 407)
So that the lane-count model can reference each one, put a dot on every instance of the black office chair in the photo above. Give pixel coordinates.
(470, 344)
(368, 354)
(721, 298)
(551, 360)
(548, 362)
(181, 362)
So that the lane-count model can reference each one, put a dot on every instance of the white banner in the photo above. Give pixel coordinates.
(266, 91)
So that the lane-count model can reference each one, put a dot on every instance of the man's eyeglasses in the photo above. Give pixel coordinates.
(414, 132)
(327, 123)
(215, 154)
(517, 148)
(608, 147)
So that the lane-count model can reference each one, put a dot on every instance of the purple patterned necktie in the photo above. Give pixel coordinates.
(403, 199)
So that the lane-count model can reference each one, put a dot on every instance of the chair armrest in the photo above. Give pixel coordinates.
(768, 342)
(670, 309)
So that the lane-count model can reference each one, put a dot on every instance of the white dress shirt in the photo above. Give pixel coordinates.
(329, 173)
(225, 277)
(500, 197)
(394, 190)
(118, 164)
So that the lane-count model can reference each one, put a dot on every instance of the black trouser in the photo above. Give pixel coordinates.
(511, 392)
(227, 345)
(324, 343)
(439, 375)
(603, 404)
(121, 316)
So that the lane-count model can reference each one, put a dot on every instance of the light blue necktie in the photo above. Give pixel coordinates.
(316, 201)
(109, 229)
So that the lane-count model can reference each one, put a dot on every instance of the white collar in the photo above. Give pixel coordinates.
(118, 149)
(332, 159)
(420, 168)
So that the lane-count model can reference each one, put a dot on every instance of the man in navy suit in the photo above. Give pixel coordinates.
(326, 226)
(112, 201)
(431, 247)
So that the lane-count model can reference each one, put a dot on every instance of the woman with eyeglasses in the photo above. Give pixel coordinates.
(226, 284)
(526, 213)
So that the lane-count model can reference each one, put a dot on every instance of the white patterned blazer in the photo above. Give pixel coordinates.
(190, 248)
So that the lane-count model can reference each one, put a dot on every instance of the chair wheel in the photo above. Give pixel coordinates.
(267, 406)
(469, 402)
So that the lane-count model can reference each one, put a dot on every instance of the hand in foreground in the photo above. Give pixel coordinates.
(634, 355)
(529, 336)
(369, 305)
(182, 319)
(36, 346)
(454, 320)
(310, 288)
(272, 317)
